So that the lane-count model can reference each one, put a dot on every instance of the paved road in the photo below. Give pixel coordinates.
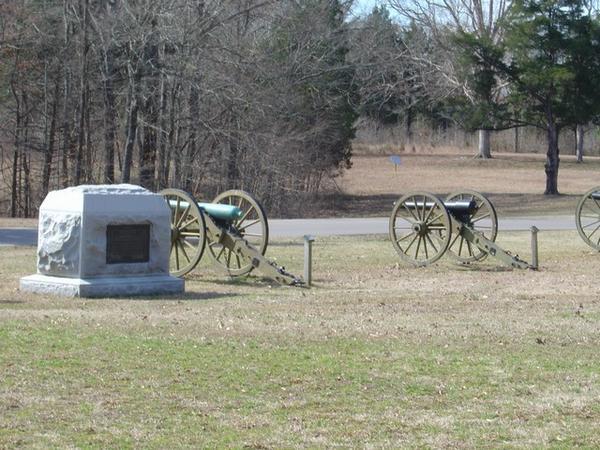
(329, 227)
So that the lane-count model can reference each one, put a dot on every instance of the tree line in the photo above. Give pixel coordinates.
(264, 95)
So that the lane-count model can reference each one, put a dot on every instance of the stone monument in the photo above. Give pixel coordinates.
(103, 240)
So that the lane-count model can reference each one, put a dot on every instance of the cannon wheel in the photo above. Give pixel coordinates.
(461, 250)
(252, 226)
(420, 228)
(188, 232)
(587, 219)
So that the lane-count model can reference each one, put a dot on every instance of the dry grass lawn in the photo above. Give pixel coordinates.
(376, 355)
(514, 182)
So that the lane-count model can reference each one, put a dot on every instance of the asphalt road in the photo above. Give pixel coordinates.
(332, 227)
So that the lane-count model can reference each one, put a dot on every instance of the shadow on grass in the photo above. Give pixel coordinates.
(10, 302)
(484, 268)
(298, 243)
(339, 204)
(183, 297)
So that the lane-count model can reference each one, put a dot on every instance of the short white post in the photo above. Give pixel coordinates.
(308, 240)
(534, 248)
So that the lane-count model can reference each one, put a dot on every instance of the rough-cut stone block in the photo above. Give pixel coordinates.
(73, 238)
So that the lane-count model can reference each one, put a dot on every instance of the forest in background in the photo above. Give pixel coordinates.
(267, 95)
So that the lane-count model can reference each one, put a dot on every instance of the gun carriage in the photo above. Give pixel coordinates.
(587, 217)
(233, 229)
(423, 227)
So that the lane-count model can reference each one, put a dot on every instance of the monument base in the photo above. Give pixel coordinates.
(103, 286)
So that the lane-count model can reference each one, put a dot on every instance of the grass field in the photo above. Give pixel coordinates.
(376, 355)
(514, 182)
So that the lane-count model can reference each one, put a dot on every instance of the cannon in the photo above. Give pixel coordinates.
(587, 217)
(233, 229)
(423, 227)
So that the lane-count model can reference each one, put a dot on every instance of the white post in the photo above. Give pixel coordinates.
(308, 240)
(534, 248)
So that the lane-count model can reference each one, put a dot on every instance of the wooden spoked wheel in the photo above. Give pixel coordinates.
(188, 232)
(420, 228)
(252, 226)
(587, 218)
(482, 219)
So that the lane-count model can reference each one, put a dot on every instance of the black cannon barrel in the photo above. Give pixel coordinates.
(596, 195)
(456, 207)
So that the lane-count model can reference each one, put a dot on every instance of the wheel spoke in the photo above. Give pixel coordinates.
(221, 252)
(176, 212)
(431, 243)
(591, 223)
(454, 240)
(470, 248)
(405, 237)
(228, 257)
(185, 213)
(241, 219)
(410, 212)
(190, 233)
(418, 247)
(590, 236)
(254, 222)
(182, 248)
(426, 219)
(481, 218)
(594, 211)
(193, 247)
(411, 243)
(422, 215)
(439, 216)
(188, 223)
(257, 235)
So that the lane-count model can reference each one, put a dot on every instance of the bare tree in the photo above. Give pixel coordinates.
(439, 19)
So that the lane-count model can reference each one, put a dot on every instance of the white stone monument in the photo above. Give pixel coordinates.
(101, 241)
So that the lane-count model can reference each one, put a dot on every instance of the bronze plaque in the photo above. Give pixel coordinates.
(127, 244)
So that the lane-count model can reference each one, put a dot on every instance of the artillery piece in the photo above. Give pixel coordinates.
(587, 217)
(233, 227)
(422, 228)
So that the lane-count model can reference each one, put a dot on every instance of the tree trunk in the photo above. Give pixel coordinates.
(110, 124)
(162, 138)
(408, 128)
(83, 95)
(192, 148)
(579, 135)
(66, 112)
(49, 150)
(516, 139)
(552, 160)
(15, 185)
(150, 111)
(232, 164)
(15, 164)
(26, 203)
(132, 119)
(484, 144)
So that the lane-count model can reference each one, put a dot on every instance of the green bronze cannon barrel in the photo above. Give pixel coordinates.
(215, 210)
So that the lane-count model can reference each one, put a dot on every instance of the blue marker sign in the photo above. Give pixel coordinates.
(395, 159)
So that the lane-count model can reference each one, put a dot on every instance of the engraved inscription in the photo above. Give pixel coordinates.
(127, 244)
